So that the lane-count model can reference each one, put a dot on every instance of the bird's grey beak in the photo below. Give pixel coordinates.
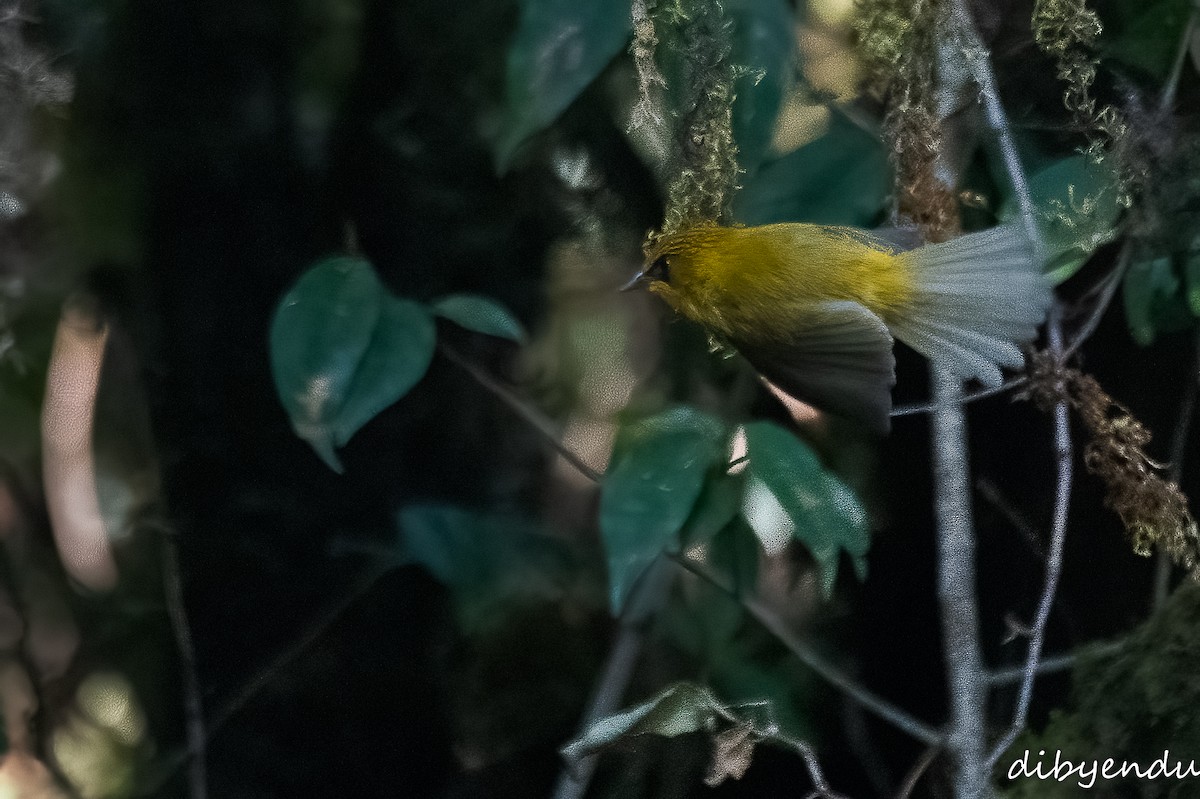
(636, 281)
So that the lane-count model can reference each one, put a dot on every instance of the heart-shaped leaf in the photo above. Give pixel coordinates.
(395, 361)
(343, 349)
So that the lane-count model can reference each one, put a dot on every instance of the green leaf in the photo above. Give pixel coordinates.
(764, 45)
(734, 552)
(658, 470)
(320, 332)
(342, 350)
(1191, 267)
(704, 622)
(773, 694)
(790, 495)
(560, 47)
(1154, 301)
(1075, 201)
(396, 359)
(682, 708)
(717, 506)
(840, 178)
(481, 315)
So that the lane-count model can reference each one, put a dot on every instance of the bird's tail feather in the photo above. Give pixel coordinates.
(978, 298)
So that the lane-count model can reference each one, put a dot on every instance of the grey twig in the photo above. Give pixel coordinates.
(1162, 572)
(1050, 665)
(820, 784)
(766, 616)
(649, 594)
(918, 770)
(1064, 464)
(196, 733)
(991, 492)
(532, 416)
(263, 677)
(1107, 291)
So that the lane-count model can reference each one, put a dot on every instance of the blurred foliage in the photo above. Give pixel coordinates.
(1131, 705)
(493, 565)
(217, 149)
(1076, 202)
(842, 177)
(559, 48)
(1144, 36)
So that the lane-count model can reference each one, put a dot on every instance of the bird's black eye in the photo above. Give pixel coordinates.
(660, 270)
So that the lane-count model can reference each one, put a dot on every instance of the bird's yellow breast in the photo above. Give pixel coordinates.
(758, 282)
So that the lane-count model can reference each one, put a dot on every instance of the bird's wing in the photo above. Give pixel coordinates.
(838, 359)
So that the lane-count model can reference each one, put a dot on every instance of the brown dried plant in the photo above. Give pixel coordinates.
(1153, 509)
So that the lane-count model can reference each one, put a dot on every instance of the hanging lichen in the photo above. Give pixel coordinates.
(898, 41)
(706, 168)
(1067, 31)
(1152, 508)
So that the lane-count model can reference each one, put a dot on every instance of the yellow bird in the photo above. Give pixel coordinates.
(814, 308)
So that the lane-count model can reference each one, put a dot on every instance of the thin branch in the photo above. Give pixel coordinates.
(264, 676)
(315, 632)
(918, 770)
(193, 703)
(991, 492)
(820, 784)
(534, 417)
(766, 616)
(648, 596)
(1108, 291)
(1050, 665)
(1162, 574)
(1064, 463)
(916, 409)
(1171, 87)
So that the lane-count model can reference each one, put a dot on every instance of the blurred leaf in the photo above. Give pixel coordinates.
(396, 359)
(771, 693)
(329, 42)
(560, 47)
(485, 560)
(1191, 266)
(1154, 301)
(764, 43)
(734, 552)
(718, 505)
(704, 622)
(481, 315)
(658, 470)
(841, 178)
(682, 708)
(789, 494)
(1075, 201)
(1145, 35)
(342, 349)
